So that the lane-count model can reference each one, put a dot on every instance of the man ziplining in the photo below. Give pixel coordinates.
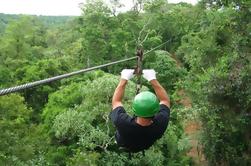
(151, 118)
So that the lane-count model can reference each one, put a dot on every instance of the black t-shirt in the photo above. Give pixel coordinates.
(135, 137)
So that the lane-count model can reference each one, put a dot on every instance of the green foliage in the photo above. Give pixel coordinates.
(40, 70)
(4, 21)
(13, 124)
(218, 81)
(85, 126)
(23, 41)
(22, 143)
(79, 119)
(168, 71)
(69, 124)
(211, 39)
(80, 96)
(60, 101)
(95, 31)
(226, 110)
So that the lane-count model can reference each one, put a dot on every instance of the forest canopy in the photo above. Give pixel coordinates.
(204, 65)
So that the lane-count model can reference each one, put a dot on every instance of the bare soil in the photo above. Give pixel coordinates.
(192, 128)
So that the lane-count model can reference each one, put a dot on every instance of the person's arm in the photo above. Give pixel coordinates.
(160, 92)
(118, 94)
(126, 74)
(150, 75)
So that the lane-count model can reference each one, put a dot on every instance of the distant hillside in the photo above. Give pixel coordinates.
(49, 21)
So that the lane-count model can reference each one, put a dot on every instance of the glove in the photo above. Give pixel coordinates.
(149, 74)
(127, 74)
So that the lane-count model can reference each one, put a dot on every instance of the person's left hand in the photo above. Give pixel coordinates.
(127, 74)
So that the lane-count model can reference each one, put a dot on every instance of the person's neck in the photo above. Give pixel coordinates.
(144, 121)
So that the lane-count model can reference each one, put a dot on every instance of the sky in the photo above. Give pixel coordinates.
(55, 7)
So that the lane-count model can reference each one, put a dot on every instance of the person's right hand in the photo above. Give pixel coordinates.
(149, 74)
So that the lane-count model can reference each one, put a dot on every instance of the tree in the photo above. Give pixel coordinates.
(218, 81)
(169, 74)
(95, 32)
(41, 70)
(77, 118)
(14, 122)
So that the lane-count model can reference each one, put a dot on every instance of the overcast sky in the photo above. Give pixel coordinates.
(54, 7)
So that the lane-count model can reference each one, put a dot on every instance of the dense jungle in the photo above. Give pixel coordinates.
(203, 62)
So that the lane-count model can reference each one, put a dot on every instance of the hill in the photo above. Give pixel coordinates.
(48, 21)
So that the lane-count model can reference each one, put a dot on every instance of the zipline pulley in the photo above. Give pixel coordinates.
(138, 69)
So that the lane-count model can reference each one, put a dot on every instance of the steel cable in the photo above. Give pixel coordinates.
(157, 47)
(44, 81)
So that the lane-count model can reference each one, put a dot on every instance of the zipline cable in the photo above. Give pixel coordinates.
(157, 47)
(44, 81)
(40, 82)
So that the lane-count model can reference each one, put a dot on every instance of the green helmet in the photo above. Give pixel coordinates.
(145, 104)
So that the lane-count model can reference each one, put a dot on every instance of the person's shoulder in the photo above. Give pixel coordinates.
(119, 116)
(163, 114)
(119, 108)
(164, 107)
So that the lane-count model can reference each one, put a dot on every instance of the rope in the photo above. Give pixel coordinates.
(40, 82)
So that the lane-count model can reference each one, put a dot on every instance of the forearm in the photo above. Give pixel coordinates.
(118, 94)
(160, 92)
